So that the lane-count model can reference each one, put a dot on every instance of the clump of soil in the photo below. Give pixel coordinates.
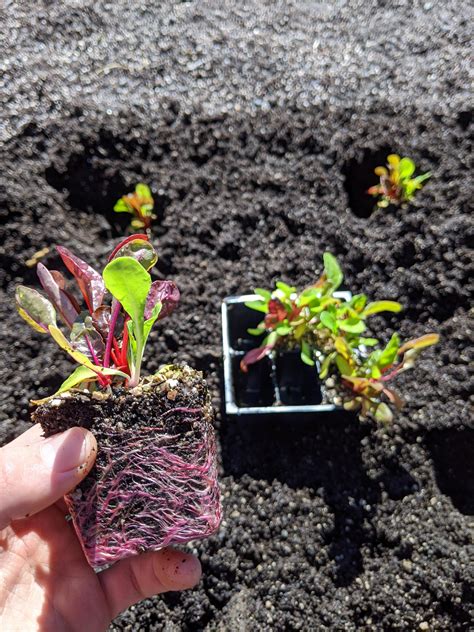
(154, 482)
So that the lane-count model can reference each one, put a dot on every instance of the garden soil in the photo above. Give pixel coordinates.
(258, 126)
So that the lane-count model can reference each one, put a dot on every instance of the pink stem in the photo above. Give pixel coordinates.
(91, 349)
(113, 321)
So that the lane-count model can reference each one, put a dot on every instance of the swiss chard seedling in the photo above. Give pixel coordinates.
(155, 478)
(332, 332)
(140, 204)
(397, 184)
(105, 337)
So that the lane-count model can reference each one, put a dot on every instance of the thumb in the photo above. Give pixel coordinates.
(34, 476)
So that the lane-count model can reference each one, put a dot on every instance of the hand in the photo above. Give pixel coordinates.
(45, 580)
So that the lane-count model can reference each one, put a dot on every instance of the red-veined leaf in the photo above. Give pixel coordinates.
(253, 356)
(126, 241)
(89, 281)
(33, 307)
(165, 292)
(60, 299)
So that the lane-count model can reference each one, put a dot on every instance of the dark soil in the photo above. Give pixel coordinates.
(154, 481)
(253, 125)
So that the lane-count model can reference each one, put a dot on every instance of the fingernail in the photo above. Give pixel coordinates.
(68, 450)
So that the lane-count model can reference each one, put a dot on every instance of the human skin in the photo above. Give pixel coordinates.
(45, 581)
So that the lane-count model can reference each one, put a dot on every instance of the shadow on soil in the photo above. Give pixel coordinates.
(323, 454)
(359, 176)
(92, 180)
(452, 452)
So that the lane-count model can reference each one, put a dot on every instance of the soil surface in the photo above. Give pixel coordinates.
(257, 126)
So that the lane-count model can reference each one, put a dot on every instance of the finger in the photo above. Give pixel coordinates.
(141, 577)
(35, 476)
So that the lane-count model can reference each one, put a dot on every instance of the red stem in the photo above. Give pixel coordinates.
(91, 349)
(113, 321)
(123, 356)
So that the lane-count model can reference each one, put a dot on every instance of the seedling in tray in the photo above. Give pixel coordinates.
(332, 332)
(140, 204)
(155, 481)
(396, 185)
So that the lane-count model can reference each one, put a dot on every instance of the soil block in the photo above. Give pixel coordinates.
(154, 482)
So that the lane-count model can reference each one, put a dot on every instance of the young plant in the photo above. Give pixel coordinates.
(140, 204)
(331, 332)
(107, 339)
(154, 481)
(396, 185)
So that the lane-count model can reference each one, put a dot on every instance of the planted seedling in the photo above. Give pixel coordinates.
(396, 185)
(154, 481)
(140, 204)
(333, 333)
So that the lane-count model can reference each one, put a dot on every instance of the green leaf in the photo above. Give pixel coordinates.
(265, 294)
(406, 168)
(132, 343)
(310, 297)
(328, 321)
(122, 207)
(256, 331)
(306, 354)
(33, 307)
(416, 183)
(358, 302)
(270, 340)
(129, 283)
(381, 306)
(328, 360)
(390, 352)
(352, 325)
(79, 375)
(283, 330)
(143, 191)
(343, 365)
(286, 289)
(421, 178)
(332, 270)
(148, 324)
(383, 413)
(368, 342)
(259, 306)
(375, 372)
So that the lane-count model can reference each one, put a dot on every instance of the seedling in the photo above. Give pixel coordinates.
(332, 332)
(155, 478)
(107, 340)
(140, 204)
(397, 186)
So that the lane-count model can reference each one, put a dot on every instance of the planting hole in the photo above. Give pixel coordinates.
(92, 189)
(359, 176)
